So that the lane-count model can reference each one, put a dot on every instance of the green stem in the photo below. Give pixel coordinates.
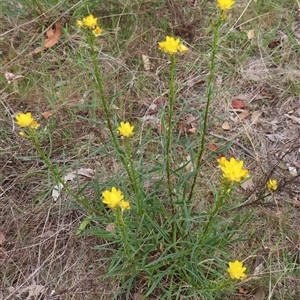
(101, 90)
(107, 114)
(170, 128)
(133, 175)
(124, 236)
(209, 95)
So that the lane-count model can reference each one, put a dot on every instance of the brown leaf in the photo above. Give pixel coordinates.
(274, 44)
(2, 238)
(110, 227)
(255, 116)
(238, 104)
(244, 114)
(50, 41)
(191, 130)
(226, 125)
(47, 114)
(248, 184)
(212, 147)
(49, 33)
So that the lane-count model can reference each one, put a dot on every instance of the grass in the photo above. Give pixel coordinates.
(44, 256)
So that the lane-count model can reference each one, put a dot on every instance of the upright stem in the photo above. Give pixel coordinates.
(122, 226)
(209, 95)
(133, 177)
(170, 128)
(101, 90)
(107, 113)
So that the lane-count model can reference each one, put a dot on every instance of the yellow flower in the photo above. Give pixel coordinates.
(232, 170)
(97, 31)
(236, 270)
(113, 198)
(222, 161)
(182, 48)
(90, 22)
(172, 46)
(125, 129)
(79, 23)
(272, 185)
(124, 205)
(26, 120)
(225, 4)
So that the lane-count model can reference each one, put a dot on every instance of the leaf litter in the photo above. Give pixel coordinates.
(89, 173)
(51, 40)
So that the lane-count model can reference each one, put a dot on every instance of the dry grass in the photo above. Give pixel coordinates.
(42, 251)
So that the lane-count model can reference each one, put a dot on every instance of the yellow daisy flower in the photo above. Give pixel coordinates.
(26, 120)
(113, 198)
(172, 46)
(125, 129)
(236, 270)
(90, 22)
(124, 205)
(233, 169)
(225, 4)
(272, 185)
(79, 23)
(97, 31)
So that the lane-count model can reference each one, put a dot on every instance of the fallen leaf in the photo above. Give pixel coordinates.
(244, 114)
(274, 44)
(50, 41)
(110, 228)
(295, 119)
(238, 104)
(293, 171)
(10, 77)
(258, 266)
(255, 116)
(191, 130)
(248, 184)
(146, 61)
(226, 125)
(275, 137)
(47, 114)
(49, 33)
(250, 34)
(90, 173)
(212, 147)
(32, 291)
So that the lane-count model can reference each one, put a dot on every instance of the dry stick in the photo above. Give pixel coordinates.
(234, 142)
